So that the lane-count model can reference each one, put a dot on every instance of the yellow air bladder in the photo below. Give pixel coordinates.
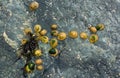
(93, 38)
(100, 26)
(92, 29)
(83, 35)
(38, 53)
(43, 32)
(54, 26)
(37, 28)
(33, 5)
(38, 61)
(62, 36)
(39, 67)
(73, 34)
(53, 52)
(44, 39)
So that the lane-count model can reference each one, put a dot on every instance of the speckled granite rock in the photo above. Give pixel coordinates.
(79, 59)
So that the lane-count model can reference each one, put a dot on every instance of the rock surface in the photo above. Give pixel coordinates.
(79, 59)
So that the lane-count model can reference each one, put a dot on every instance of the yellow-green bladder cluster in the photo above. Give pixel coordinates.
(94, 29)
(30, 47)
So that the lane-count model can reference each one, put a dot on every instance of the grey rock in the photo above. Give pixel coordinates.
(79, 59)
